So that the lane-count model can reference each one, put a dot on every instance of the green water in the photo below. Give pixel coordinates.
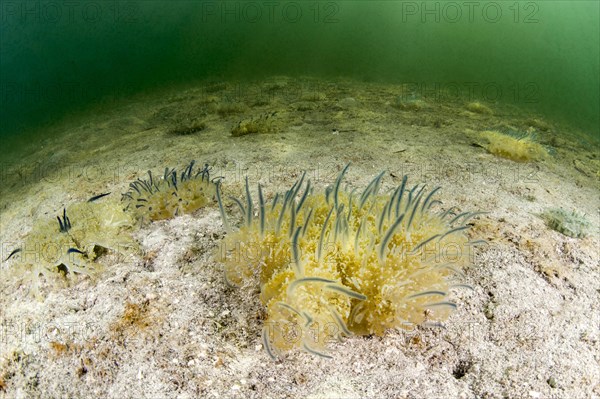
(58, 58)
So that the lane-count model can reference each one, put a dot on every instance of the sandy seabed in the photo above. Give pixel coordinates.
(164, 323)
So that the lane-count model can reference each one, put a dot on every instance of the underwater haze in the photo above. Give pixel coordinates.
(60, 57)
